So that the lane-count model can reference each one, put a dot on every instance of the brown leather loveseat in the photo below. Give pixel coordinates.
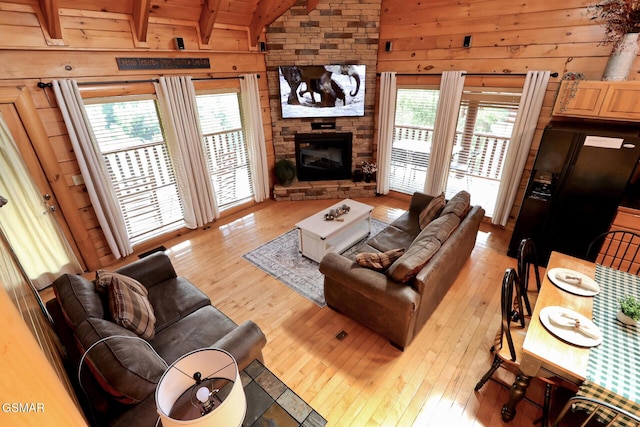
(120, 374)
(398, 301)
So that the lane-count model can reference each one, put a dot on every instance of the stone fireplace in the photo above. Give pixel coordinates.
(347, 32)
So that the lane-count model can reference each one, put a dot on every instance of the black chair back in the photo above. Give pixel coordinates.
(606, 413)
(618, 249)
(509, 283)
(527, 260)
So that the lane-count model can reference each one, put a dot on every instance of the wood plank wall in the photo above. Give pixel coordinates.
(92, 41)
(506, 37)
(31, 364)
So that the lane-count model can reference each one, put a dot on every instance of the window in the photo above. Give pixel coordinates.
(483, 133)
(130, 137)
(412, 136)
(226, 147)
(485, 124)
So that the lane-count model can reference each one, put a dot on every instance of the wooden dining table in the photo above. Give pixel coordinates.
(545, 355)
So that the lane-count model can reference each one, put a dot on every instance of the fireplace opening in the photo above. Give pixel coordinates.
(323, 156)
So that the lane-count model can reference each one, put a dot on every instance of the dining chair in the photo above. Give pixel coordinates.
(527, 261)
(618, 249)
(614, 413)
(513, 333)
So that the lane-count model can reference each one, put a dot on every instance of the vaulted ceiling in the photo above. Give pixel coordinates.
(254, 15)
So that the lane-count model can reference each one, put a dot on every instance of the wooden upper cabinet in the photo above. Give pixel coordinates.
(622, 101)
(580, 98)
(599, 99)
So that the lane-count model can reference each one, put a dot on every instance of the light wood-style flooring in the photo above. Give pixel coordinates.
(361, 380)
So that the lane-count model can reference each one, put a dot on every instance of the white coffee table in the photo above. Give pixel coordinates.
(318, 236)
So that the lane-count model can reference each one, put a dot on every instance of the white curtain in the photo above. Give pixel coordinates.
(444, 131)
(254, 129)
(92, 167)
(386, 122)
(27, 223)
(524, 128)
(177, 104)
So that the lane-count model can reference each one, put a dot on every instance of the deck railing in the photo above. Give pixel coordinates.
(147, 191)
(483, 157)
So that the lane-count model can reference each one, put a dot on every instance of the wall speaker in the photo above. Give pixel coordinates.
(467, 41)
(179, 43)
(263, 47)
(388, 46)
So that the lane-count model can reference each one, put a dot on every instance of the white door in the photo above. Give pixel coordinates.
(27, 219)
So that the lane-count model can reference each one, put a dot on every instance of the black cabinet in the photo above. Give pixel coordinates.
(577, 182)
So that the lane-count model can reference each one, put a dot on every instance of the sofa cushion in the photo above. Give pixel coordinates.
(414, 259)
(379, 261)
(459, 204)
(200, 329)
(408, 222)
(432, 211)
(440, 228)
(131, 308)
(174, 299)
(390, 238)
(78, 299)
(125, 365)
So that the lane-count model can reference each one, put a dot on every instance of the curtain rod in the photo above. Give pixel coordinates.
(42, 85)
(472, 74)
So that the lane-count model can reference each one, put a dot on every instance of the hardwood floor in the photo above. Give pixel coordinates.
(361, 380)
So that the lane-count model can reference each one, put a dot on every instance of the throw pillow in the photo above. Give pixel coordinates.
(432, 211)
(129, 305)
(379, 261)
(105, 278)
(460, 204)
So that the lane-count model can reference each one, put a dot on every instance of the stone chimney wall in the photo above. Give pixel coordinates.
(335, 32)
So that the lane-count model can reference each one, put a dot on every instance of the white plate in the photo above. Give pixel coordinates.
(570, 287)
(568, 334)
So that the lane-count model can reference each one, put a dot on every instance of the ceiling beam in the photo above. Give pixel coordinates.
(208, 18)
(52, 17)
(266, 12)
(140, 12)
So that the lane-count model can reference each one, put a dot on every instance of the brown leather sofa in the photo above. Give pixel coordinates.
(119, 376)
(394, 309)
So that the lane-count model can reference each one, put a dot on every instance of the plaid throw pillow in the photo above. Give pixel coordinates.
(379, 261)
(128, 303)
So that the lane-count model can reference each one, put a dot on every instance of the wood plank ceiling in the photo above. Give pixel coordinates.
(254, 15)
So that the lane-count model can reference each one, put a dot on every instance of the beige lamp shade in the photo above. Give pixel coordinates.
(179, 378)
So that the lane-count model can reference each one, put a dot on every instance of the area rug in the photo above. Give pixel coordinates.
(280, 258)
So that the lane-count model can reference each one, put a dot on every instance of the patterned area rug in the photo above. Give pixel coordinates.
(280, 258)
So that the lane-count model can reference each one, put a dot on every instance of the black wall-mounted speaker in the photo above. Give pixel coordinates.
(179, 43)
(467, 41)
(320, 126)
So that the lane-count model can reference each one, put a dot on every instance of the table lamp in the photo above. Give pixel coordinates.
(202, 388)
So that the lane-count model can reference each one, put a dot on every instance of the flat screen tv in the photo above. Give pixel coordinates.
(322, 90)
